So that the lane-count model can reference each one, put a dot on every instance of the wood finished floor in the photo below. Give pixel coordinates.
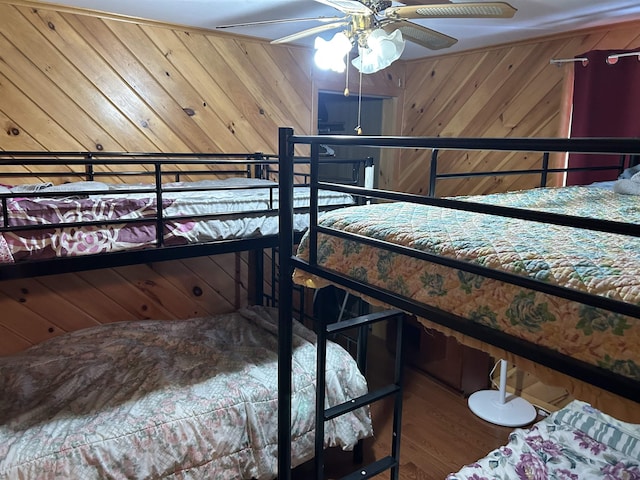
(439, 432)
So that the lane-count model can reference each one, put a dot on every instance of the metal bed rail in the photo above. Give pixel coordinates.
(624, 161)
(90, 166)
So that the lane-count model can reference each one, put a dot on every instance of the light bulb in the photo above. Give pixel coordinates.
(330, 55)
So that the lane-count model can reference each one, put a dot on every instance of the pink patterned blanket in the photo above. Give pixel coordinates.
(50, 242)
(237, 208)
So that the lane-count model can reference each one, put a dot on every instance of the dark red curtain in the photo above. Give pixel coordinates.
(606, 103)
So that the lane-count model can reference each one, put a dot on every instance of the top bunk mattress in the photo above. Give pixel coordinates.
(216, 210)
(594, 262)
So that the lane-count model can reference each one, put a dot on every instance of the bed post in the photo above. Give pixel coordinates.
(285, 301)
(255, 281)
(433, 175)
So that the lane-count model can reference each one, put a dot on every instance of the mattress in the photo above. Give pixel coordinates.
(593, 262)
(168, 399)
(241, 208)
(576, 442)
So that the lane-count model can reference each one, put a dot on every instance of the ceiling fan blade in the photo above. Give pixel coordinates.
(350, 7)
(429, 2)
(283, 20)
(310, 31)
(421, 35)
(453, 10)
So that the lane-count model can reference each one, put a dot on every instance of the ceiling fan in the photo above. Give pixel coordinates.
(378, 28)
(361, 17)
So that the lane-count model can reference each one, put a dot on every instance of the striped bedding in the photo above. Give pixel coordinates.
(576, 442)
(594, 262)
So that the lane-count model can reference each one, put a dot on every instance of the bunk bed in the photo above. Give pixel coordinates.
(156, 398)
(547, 278)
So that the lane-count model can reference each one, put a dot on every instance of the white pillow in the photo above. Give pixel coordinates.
(77, 187)
(227, 182)
(30, 187)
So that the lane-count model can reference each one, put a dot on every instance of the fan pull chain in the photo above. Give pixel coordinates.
(346, 85)
(358, 129)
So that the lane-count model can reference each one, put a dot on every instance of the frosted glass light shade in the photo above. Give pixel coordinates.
(381, 51)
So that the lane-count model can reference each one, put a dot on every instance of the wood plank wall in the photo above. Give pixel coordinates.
(75, 81)
(510, 91)
(78, 82)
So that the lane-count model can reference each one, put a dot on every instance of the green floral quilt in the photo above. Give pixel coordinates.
(595, 262)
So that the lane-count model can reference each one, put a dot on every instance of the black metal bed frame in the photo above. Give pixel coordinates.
(91, 166)
(626, 148)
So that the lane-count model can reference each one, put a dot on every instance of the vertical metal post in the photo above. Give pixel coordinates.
(433, 174)
(321, 368)
(622, 161)
(321, 346)
(258, 262)
(545, 169)
(285, 301)
(397, 407)
(275, 284)
(362, 349)
(258, 168)
(5, 213)
(159, 209)
(314, 171)
(88, 168)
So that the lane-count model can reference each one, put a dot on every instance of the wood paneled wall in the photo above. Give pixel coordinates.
(82, 82)
(79, 82)
(510, 91)
(76, 81)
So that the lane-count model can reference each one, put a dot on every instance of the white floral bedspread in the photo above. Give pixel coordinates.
(575, 443)
(167, 399)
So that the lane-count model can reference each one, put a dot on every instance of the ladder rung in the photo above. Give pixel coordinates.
(356, 403)
(372, 469)
(362, 320)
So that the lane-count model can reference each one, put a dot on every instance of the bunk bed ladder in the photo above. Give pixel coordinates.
(395, 389)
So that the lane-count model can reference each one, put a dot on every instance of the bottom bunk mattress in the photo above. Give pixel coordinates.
(151, 399)
(576, 442)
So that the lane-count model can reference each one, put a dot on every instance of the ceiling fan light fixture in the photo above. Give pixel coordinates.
(382, 50)
(330, 55)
